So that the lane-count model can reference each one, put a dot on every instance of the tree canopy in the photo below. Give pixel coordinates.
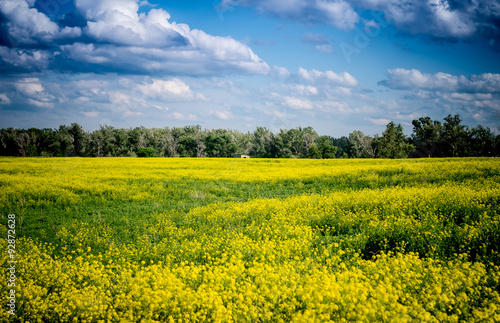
(430, 138)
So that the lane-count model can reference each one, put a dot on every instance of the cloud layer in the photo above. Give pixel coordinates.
(443, 18)
(117, 38)
(402, 79)
(338, 13)
(475, 95)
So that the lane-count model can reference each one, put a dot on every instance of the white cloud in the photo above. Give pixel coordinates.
(325, 48)
(125, 104)
(25, 59)
(442, 18)
(337, 13)
(40, 104)
(160, 107)
(333, 107)
(4, 99)
(480, 116)
(183, 117)
(202, 97)
(27, 25)
(118, 22)
(33, 90)
(91, 114)
(156, 45)
(280, 72)
(82, 99)
(471, 96)
(302, 89)
(296, 103)
(402, 79)
(378, 122)
(120, 37)
(173, 89)
(341, 79)
(132, 113)
(223, 115)
(94, 86)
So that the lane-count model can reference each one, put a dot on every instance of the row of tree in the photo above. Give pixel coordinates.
(429, 139)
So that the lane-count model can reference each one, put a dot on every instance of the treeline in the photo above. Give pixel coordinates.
(430, 138)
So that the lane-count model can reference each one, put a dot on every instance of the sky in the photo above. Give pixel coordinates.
(335, 65)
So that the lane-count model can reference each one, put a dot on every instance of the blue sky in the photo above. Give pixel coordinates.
(335, 65)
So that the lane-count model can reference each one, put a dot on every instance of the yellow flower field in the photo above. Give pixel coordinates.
(229, 240)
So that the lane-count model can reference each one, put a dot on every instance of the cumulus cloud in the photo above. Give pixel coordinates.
(341, 79)
(297, 103)
(26, 25)
(118, 37)
(334, 107)
(302, 89)
(403, 79)
(35, 93)
(118, 22)
(202, 55)
(280, 72)
(4, 99)
(24, 59)
(126, 105)
(155, 44)
(174, 89)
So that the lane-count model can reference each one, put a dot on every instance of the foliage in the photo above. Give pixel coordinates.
(362, 146)
(429, 139)
(198, 240)
(393, 143)
(426, 136)
(146, 152)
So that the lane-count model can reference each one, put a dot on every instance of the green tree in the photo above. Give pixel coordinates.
(482, 141)
(243, 141)
(261, 140)
(314, 151)
(146, 152)
(218, 144)
(343, 146)
(278, 149)
(309, 136)
(456, 137)
(426, 137)
(61, 142)
(187, 146)
(103, 141)
(80, 139)
(393, 142)
(326, 148)
(293, 141)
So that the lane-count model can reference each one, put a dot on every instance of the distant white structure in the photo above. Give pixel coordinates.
(241, 156)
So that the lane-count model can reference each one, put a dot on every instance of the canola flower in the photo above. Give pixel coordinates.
(405, 241)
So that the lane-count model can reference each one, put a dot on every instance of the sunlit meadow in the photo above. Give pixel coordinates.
(230, 240)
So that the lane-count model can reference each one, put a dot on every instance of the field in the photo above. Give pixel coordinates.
(260, 240)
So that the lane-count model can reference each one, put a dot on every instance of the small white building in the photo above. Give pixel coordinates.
(241, 156)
